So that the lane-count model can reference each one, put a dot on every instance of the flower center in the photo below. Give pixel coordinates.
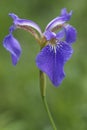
(53, 41)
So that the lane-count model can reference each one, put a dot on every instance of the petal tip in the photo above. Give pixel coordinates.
(65, 14)
(15, 59)
(58, 82)
(13, 16)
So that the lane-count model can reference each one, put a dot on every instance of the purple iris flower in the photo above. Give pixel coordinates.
(55, 42)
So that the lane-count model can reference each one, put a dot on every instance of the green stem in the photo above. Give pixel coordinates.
(43, 95)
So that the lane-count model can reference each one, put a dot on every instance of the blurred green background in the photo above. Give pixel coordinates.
(21, 107)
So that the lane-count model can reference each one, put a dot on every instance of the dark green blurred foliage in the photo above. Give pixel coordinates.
(21, 107)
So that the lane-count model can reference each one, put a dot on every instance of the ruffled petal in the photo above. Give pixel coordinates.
(13, 46)
(25, 24)
(58, 21)
(51, 61)
(70, 34)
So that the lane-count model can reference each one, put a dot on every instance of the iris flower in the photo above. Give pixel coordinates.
(55, 42)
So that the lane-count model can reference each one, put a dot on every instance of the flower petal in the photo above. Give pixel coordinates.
(51, 62)
(58, 21)
(49, 35)
(60, 34)
(12, 28)
(70, 34)
(66, 15)
(65, 50)
(13, 46)
(25, 23)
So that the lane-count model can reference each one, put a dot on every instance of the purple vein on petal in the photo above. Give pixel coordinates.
(52, 62)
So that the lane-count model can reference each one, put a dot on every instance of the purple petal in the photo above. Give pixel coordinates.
(23, 22)
(66, 50)
(13, 46)
(58, 21)
(13, 16)
(66, 15)
(70, 34)
(52, 61)
(49, 35)
(60, 34)
(12, 28)
(55, 23)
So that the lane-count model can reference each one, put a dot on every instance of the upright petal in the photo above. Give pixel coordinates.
(25, 24)
(58, 21)
(52, 62)
(66, 15)
(13, 46)
(70, 33)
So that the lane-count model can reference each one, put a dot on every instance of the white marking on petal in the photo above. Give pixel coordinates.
(18, 22)
(57, 22)
(53, 48)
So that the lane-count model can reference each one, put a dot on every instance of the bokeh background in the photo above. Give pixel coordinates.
(21, 107)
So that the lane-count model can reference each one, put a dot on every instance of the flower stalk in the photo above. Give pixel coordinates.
(43, 95)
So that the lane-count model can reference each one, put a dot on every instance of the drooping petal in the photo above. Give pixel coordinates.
(66, 50)
(13, 46)
(70, 34)
(52, 62)
(58, 21)
(25, 24)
